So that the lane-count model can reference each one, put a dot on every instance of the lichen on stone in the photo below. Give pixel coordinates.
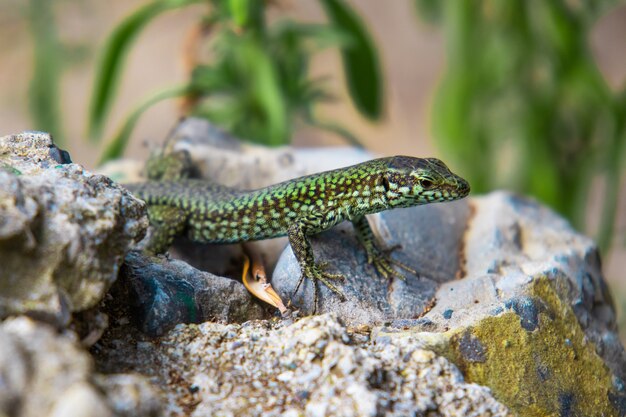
(552, 369)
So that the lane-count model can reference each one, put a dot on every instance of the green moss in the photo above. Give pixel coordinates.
(549, 371)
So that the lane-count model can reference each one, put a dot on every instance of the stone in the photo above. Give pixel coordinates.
(43, 373)
(162, 292)
(130, 395)
(63, 230)
(313, 367)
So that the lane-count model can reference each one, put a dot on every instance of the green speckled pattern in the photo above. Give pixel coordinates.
(221, 215)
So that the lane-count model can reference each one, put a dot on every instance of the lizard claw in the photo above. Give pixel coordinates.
(384, 264)
(316, 273)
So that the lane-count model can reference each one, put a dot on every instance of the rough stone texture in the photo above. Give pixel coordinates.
(130, 395)
(531, 317)
(63, 230)
(162, 292)
(44, 374)
(313, 368)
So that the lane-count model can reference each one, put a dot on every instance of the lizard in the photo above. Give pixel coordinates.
(297, 208)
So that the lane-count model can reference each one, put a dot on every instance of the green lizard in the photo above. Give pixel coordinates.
(297, 208)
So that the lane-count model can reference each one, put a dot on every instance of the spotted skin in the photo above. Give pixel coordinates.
(298, 208)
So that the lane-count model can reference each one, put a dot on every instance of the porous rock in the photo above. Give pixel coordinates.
(130, 395)
(506, 291)
(43, 373)
(63, 230)
(313, 367)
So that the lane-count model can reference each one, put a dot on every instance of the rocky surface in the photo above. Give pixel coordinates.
(313, 367)
(506, 291)
(63, 230)
(45, 373)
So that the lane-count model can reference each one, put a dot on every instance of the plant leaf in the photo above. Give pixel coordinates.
(115, 149)
(360, 61)
(333, 127)
(44, 101)
(113, 59)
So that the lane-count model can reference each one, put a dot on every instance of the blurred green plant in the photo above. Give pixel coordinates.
(44, 97)
(523, 105)
(256, 85)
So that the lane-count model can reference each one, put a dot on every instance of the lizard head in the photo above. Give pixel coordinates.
(409, 181)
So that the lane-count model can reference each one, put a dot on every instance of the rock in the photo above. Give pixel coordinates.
(44, 374)
(63, 230)
(130, 395)
(530, 316)
(162, 293)
(313, 367)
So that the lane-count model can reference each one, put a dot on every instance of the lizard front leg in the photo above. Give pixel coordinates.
(304, 254)
(377, 256)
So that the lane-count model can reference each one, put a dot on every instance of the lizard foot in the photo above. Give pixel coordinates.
(316, 273)
(384, 264)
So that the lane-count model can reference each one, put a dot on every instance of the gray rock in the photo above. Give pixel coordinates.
(45, 374)
(162, 292)
(63, 231)
(313, 367)
(507, 291)
(130, 395)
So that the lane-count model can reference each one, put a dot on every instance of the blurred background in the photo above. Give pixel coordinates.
(522, 95)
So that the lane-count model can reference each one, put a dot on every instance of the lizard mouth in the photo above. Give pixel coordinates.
(455, 191)
(463, 187)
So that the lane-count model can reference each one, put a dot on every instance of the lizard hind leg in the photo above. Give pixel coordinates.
(169, 165)
(166, 222)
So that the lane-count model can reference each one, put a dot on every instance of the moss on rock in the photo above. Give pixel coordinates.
(550, 369)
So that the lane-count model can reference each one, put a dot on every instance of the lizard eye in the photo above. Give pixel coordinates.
(425, 183)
